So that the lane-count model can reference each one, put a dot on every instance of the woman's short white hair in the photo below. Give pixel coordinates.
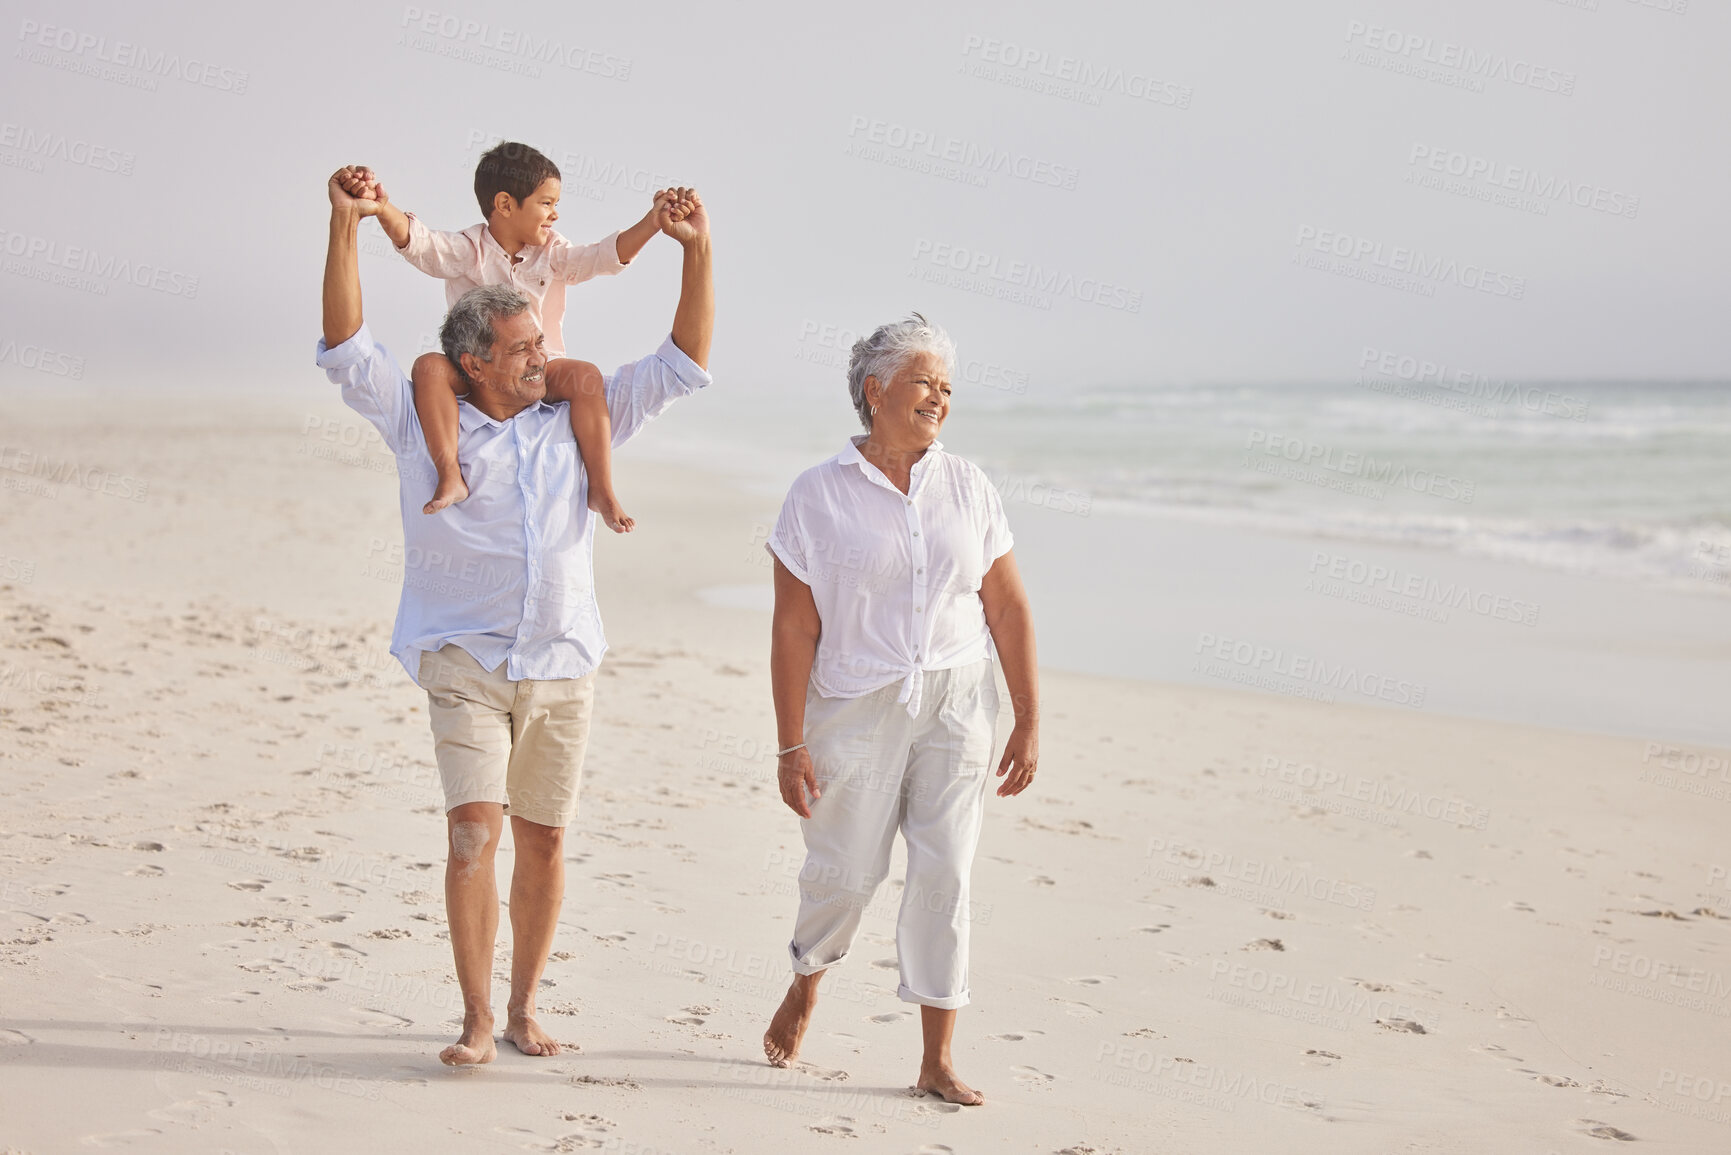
(888, 348)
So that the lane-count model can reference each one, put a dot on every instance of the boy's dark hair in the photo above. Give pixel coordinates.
(510, 167)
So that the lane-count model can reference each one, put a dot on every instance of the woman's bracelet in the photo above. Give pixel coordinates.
(789, 750)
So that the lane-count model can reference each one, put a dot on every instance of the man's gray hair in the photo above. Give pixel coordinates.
(468, 327)
(883, 353)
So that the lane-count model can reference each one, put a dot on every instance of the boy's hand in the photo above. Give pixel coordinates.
(682, 215)
(363, 183)
(342, 198)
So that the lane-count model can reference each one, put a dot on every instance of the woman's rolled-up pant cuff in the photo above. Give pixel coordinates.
(810, 968)
(949, 1003)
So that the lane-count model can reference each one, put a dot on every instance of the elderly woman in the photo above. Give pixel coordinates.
(894, 582)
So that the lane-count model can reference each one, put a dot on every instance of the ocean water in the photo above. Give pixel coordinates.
(1626, 480)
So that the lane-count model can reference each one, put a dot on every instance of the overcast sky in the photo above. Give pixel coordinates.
(1169, 167)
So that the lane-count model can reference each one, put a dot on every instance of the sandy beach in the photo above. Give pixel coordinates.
(1225, 921)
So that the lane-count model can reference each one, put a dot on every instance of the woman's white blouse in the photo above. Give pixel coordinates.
(896, 577)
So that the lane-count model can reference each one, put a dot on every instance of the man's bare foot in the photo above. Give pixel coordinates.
(611, 511)
(449, 491)
(524, 1033)
(473, 1048)
(940, 1080)
(787, 1029)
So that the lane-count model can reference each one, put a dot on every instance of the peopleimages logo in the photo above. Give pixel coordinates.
(98, 267)
(1360, 467)
(1495, 176)
(992, 275)
(41, 144)
(1411, 262)
(886, 140)
(84, 47)
(513, 45)
(1477, 64)
(1279, 663)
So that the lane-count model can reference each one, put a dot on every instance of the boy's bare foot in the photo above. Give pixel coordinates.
(608, 507)
(474, 1047)
(787, 1029)
(524, 1033)
(941, 1080)
(449, 491)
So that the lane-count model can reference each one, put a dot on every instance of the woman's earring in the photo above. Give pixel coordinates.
(874, 410)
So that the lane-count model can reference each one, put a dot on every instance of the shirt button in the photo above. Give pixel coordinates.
(916, 533)
(922, 569)
(919, 609)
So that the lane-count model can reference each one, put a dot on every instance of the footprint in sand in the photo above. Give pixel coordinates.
(1156, 929)
(892, 1017)
(146, 871)
(1032, 1076)
(1600, 1130)
(14, 1038)
(888, 964)
(1042, 880)
(1091, 980)
(1406, 1025)
(841, 1126)
(193, 1112)
(1317, 1058)
(249, 884)
(936, 1148)
(372, 1017)
(1014, 1036)
(121, 1138)
(827, 1074)
(1077, 1010)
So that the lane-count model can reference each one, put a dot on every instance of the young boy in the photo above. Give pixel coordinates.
(518, 190)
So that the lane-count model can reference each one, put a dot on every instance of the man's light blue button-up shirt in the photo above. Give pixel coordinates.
(508, 573)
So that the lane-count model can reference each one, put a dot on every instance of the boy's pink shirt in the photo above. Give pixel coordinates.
(472, 258)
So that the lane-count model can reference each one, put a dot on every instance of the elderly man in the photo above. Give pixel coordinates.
(498, 620)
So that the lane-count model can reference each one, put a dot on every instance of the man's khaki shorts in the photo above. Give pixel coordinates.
(516, 743)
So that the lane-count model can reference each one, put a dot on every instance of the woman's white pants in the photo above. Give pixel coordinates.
(879, 771)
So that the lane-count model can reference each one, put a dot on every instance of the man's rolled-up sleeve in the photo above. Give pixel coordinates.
(373, 385)
(638, 392)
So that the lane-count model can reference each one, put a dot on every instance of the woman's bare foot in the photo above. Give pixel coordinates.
(450, 490)
(524, 1033)
(942, 1081)
(474, 1047)
(611, 511)
(787, 1029)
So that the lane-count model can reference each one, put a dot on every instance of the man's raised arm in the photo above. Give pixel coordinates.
(694, 319)
(342, 296)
